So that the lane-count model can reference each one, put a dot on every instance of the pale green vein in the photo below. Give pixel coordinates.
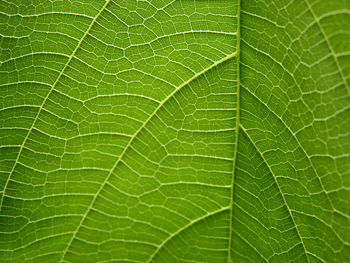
(229, 250)
(294, 135)
(191, 223)
(280, 191)
(328, 44)
(154, 113)
(252, 247)
(47, 14)
(47, 96)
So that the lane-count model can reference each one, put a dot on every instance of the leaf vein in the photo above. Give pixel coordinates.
(194, 77)
(46, 98)
(279, 188)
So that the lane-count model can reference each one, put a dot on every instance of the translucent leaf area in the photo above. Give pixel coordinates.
(175, 131)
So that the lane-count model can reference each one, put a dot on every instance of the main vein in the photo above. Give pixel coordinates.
(238, 106)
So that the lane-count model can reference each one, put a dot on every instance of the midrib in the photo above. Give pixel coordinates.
(238, 52)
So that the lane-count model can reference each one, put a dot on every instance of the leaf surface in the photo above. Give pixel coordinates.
(175, 131)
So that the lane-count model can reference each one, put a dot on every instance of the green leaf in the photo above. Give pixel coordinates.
(175, 131)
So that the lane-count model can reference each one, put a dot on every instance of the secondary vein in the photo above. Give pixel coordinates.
(282, 195)
(318, 22)
(46, 98)
(119, 159)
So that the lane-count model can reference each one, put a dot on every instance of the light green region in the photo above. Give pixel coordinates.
(175, 131)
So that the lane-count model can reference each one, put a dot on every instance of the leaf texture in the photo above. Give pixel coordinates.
(175, 131)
